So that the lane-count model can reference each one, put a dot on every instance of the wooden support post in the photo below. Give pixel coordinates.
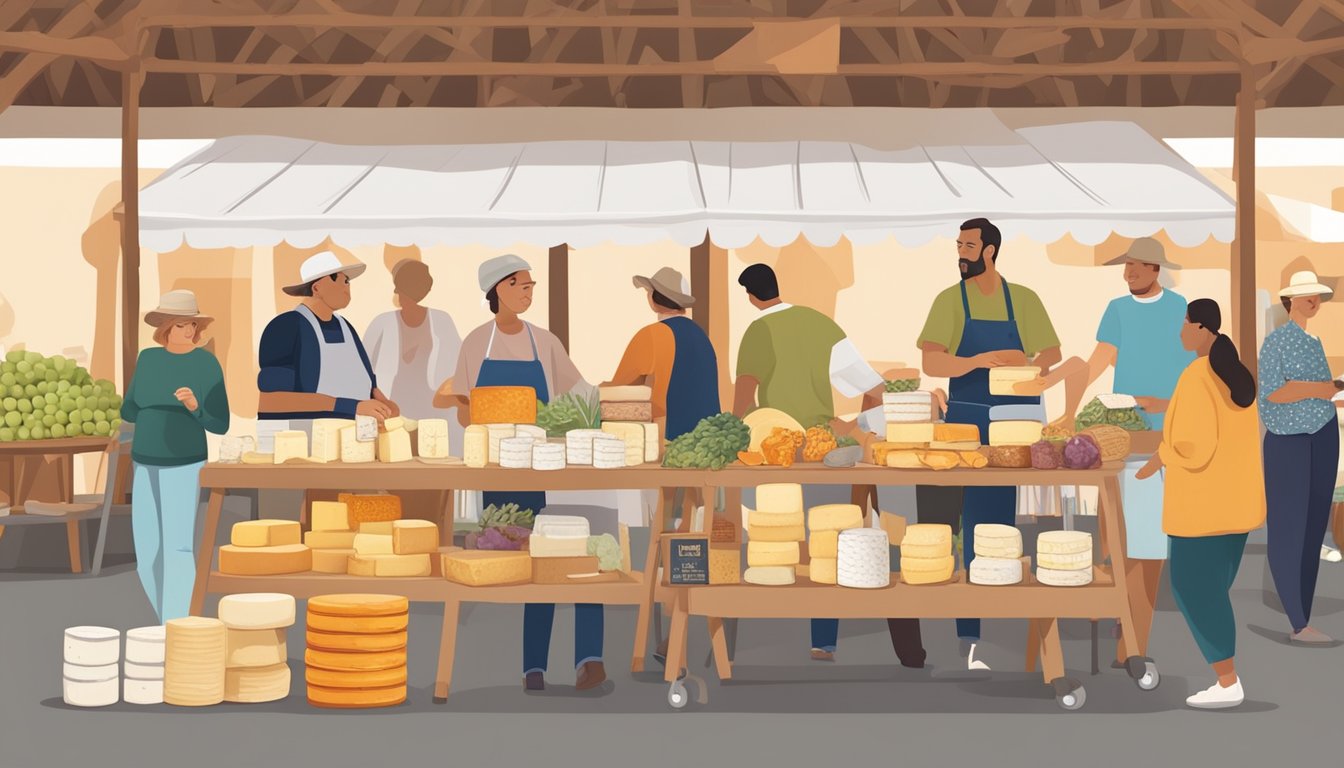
(703, 310)
(709, 285)
(559, 295)
(1244, 314)
(130, 224)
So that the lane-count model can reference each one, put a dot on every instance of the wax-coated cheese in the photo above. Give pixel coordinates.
(770, 576)
(327, 438)
(354, 450)
(265, 561)
(388, 565)
(823, 570)
(503, 405)
(290, 444)
(823, 544)
(759, 519)
(863, 559)
(255, 648)
(345, 661)
(910, 433)
(633, 435)
(92, 646)
(432, 439)
(725, 564)
(928, 534)
(330, 516)
(373, 544)
(788, 533)
(394, 446)
(766, 553)
(476, 446)
(1054, 578)
(998, 541)
(358, 625)
(995, 571)
(363, 698)
(380, 528)
(834, 517)
(257, 610)
(265, 533)
(371, 507)
(329, 539)
(1014, 432)
(357, 642)
(358, 606)
(779, 498)
(1064, 542)
(332, 560)
(414, 537)
(479, 568)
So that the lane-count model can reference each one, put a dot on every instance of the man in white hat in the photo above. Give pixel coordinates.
(1301, 450)
(1140, 336)
(313, 364)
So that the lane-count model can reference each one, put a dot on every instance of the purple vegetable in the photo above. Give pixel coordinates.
(1082, 452)
(1047, 455)
(507, 538)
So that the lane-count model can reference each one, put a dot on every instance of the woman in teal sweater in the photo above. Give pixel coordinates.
(175, 397)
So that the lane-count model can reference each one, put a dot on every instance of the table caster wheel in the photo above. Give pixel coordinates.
(1070, 694)
(677, 697)
(1150, 678)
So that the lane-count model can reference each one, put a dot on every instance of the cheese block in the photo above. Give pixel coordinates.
(916, 570)
(100, 694)
(346, 661)
(1003, 380)
(432, 439)
(231, 450)
(380, 528)
(956, 446)
(290, 444)
(388, 565)
(995, 571)
(548, 457)
(767, 553)
(928, 534)
(1056, 562)
(476, 446)
(247, 685)
(823, 544)
(653, 442)
(332, 560)
(362, 643)
(383, 678)
(394, 446)
(557, 570)
(144, 645)
(562, 527)
(823, 570)
(329, 516)
(907, 414)
(774, 519)
(414, 537)
(78, 674)
(863, 559)
(265, 561)
(364, 625)
(632, 434)
(779, 498)
(725, 564)
(354, 450)
(1053, 578)
(250, 457)
(503, 405)
(546, 546)
(265, 533)
(956, 433)
(625, 394)
(364, 698)
(370, 507)
(998, 541)
(327, 438)
(1064, 542)
(626, 411)
(788, 533)
(358, 606)
(141, 671)
(366, 429)
(770, 576)
(1014, 432)
(257, 610)
(905, 460)
(142, 692)
(910, 433)
(498, 433)
(834, 517)
(926, 551)
(373, 544)
(1007, 456)
(330, 539)
(255, 648)
(480, 568)
(92, 646)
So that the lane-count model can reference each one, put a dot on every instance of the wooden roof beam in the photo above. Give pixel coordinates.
(96, 49)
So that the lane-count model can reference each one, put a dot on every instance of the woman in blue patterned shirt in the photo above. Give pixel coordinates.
(1301, 451)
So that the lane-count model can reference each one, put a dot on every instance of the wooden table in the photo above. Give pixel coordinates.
(21, 481)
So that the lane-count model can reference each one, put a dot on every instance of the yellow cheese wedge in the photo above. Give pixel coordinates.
(330, 516)
(415, 537)
(388, 565)
(290, 444)
(265, 533)
(834, 517)
(768, 553)
(265, 561)
(1014, 432)
(331, 560)
(394, 446)
(912, 433)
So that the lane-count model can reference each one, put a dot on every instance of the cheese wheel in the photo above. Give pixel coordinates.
(366, 625)
(265, 533)
(823, 544)
(1064, 542)
(795, 533)
(916, 571)
(343, 698)
(779, 498)
(195, 653)
(927, 534)
(834, 517)
(92, 646)
(394, 446)
(265, 561)
(1054, 562)
(133, 671)
(254, 685)
(774, 519)
(100, 694)
(863, 559)
(142, 692)
(257, 610)
(255, 648)
(767, 553)
(772, 576)
(345, 661)
(1054, 578)
(383, 678)
(822, 570)
(998, 541)
(145, 645)
(926, 551)
(326, 641)
(359, 605)
(79, 674)
(332, 560)
(994, 571)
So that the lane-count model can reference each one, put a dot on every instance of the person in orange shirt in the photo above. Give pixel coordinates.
(1215, 492)
(673, 356)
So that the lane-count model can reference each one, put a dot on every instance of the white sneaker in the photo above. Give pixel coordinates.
(973, 664)
(1218, 697)
(1330, 554)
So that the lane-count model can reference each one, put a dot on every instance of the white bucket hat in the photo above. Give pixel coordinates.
(1306, 283)
(494, 270)
(321, 265)
(175, 306)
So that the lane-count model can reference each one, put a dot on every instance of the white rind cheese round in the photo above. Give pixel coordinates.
(1054, 578)
(100, 694)
(1064, 542)
(495, 433)
(995, 572)
(1053, 562)
(142, 692)
(80, 674)
(537, 434)
(608, 452)
(579, 445)
(92, 646)
(133, 671)
(516, 452)
(257, 610)
(770, 576)
(548, 456)
(998, 541)
(864, 559)
(920, 398)
(144, 645)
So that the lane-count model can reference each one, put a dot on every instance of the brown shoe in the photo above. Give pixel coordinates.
(535, 681)
(820, 655)
(591, 675)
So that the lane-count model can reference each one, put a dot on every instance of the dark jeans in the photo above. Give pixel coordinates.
(982, 506)
(1299, 488)
(537, 620)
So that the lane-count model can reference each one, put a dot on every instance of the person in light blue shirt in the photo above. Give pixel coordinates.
(1140, 335)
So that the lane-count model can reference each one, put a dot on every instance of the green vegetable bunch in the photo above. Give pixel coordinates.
(902, 385)
(1094, 414)
(607, 551)
(713, 444)
(567, 412)
(507, 515)
(52, 397)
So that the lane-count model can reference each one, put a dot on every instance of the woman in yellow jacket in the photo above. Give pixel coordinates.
(1215, 492)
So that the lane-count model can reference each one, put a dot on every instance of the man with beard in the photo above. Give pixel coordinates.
(983, 322)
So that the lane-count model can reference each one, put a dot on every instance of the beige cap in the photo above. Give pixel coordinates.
(1145, 250)
(1306, 283)
(670, 283)
(321, 265)
(175, 306)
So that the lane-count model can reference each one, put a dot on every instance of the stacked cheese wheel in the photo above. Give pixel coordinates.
(256, 667)
(909, 418)
(265, 548)
(195, 654)
(824, 524)
(1064, 558)
(926, 554)
(579, 445)
(331, 540)
(516, 452)
(548, 457)
(773, 531)
(608, 452)
(497, 434)
(89, 675)
(642, 440)
(356, 654)
(998, 555)
(864, 559)
(144, 666)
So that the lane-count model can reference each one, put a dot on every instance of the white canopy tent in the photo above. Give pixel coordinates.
(1087, 180)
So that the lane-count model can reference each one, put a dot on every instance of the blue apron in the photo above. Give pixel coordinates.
(514, 373)
(969, 402)
(693, 387)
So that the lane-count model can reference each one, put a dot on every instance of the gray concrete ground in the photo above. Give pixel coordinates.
(782, 709)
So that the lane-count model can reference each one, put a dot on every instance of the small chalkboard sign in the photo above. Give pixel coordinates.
(687, 560)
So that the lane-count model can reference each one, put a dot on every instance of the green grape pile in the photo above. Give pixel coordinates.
(1095, 413)
(713, 444)
(902, 385)
(51, 397)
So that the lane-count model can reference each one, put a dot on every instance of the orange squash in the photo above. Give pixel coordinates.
(781, 447)
(818, 441)
(751, 458)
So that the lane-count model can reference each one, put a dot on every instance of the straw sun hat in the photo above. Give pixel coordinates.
(176, 306)
(1306, 283)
